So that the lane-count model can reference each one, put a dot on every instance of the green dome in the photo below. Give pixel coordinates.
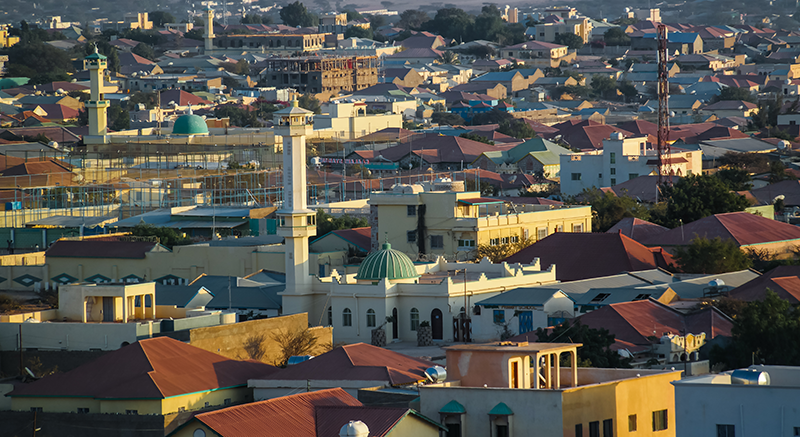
(387, 263)
(190, 124)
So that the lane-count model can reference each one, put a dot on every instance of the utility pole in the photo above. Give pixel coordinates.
(21, 365)
(662, 148)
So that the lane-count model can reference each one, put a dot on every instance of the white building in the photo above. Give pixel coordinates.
(620, 160)
(759, 401)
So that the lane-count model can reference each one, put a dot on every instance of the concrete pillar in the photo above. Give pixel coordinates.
(83, 319)
(574, 359)
(548, 375)
(125, 309)
(558, 370)
(153, 306)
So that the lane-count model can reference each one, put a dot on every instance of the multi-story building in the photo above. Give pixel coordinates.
(759, 400)
(349, 121)
(333, 22)
(272, 42)
(511, 388)
(620, 160)
(321, 74)
(5, 39)
(454, 224)
(568, 22)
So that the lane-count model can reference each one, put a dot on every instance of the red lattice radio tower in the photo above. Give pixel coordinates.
(663, 108)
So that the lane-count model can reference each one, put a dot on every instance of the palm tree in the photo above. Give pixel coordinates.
(449, 57)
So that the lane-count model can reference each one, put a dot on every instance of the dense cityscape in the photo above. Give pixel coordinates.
(453, 220)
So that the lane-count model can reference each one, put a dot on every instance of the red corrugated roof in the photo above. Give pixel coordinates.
(360, 237)
(154, 368)
(358, 362)
(636, 229)
(587, 255)
(741, 227)
(783, 280)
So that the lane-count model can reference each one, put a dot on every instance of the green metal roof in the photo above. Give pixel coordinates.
(501, 409)
(453, 407)
(387, 263)
(190, 124)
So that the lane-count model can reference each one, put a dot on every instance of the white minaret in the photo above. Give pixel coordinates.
(209, 37)
(97, 105)
(296, 223)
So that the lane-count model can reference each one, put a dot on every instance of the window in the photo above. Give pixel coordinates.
(36, 409)
(370, 318)
(132, 412)
(515, 238)
(466, 244)
(599, 298)
(181, 409)
(541, 233)
(613, 181)
(730, 431)
(414, 319)
(227, 401)
(659, 420)
(494, 241)
(330, 316)
(576, 176)
(83, 411)
(347, 317)
(599, 175)
(559, 228)
(437, 242)
(796, 430)
(504, 240)
(499, 316)
(632, 423)
(501, 430)
(411, 236)
(613, 157)
(633, 175)
(594, 429)
(608, 428)
(411, 210)
(613, 170)
(208, 404)
(577, 228)
(642, 296)
(579, 430)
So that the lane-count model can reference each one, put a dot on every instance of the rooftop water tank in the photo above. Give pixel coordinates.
(749, 377)
(436, 373)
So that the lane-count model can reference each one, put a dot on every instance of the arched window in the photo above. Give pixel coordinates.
(347, 317)
(330, 316)
(414, 319)
(370, 318)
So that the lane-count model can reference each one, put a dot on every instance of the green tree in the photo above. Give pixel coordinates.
(499, 252)
(40, 62)
(449, 57)
(376, 21)
(168, 237)
(698, 196)
(413, 19)
(358, 32)
(735, 178)
(256, 19)
(119, 119)
(495, 116)
(627, 89)
(327, 223)
(488, 24)
(452, 23)
(144, 51)
(751, 162)
(595, 351)
(353, 15)
(733, 93)
(604, 86)
(616, 37)
(447, 118)
(765, 331)
(160, 18)
(517, 128)
(295, 14)
(309, 102)
(238, 116)
(777, 172)
(608, 209)
(570, 40)
(711, 256)
(150, 100)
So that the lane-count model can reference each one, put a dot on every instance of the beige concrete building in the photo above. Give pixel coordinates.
(348, 121)
(454, 224)
(578, 25)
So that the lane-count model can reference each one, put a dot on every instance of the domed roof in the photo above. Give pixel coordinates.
(190, 124)
(387, 263)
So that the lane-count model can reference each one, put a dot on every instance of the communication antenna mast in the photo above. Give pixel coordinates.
(663, 107)
(225, 13)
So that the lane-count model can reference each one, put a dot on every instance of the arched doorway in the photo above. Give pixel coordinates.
(436, 324)
(395, 323)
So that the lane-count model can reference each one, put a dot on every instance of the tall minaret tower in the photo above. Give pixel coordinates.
(296, 223)
(209, 37)
(96, 64)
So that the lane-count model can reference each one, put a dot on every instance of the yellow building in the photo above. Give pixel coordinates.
(578, 25)
(348, 121)
(455, 224)
(512, 388)
(157, 376)
(5, 39)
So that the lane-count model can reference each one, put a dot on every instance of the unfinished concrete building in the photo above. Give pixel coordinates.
(273, 42)
(318, 75)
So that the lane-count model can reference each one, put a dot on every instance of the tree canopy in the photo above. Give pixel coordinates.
(327, 223)
(309, 102)
(616, 37)
(711, 256)
(570, 40)
(452, 23)
(166, 236)
(448, 118)
(238, 116)
(295, 14)
(733, 93)
(160, 18)
(412, 19)
(40, 62)
(696, 196)
(608, 209)
(595, 351)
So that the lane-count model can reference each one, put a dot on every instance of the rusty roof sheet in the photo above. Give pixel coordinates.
(742, 227)
(783, 280)
(636, 229)
(599, 255)
(154, 368)
(358, 362)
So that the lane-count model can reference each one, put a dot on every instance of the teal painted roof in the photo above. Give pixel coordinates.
(190, 124)
(453, 407)
(501, 409)
(12, 82)
(387, 263)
